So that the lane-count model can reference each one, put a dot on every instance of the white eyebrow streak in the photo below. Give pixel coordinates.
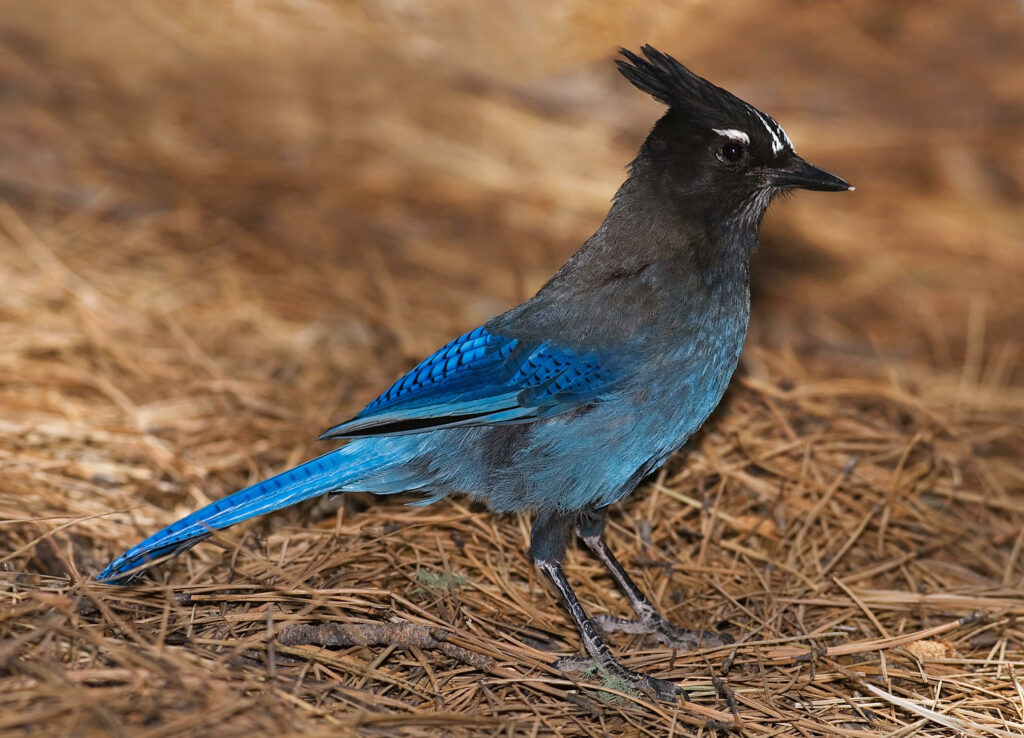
(733, 134)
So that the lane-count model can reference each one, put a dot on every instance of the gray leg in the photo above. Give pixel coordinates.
(596, 648)
(548, 539)
(648, 620)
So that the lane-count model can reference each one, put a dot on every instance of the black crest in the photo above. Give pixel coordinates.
(668, 81)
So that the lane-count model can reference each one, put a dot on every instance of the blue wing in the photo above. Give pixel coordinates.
(482, 378)
(478, 378)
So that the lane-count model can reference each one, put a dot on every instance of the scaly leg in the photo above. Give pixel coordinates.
(548, 539)
(648, 620)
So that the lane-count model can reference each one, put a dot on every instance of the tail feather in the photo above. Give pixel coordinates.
(333, 472)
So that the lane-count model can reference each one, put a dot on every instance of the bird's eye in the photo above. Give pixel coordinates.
(732, 152)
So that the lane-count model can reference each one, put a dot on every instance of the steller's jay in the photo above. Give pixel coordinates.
(565, 403)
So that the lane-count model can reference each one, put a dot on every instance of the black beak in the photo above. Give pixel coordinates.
(798, 173)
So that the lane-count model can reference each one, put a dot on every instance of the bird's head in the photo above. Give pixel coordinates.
(713, 148)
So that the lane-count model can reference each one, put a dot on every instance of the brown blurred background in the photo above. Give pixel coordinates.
(458, 152)
(226, 225)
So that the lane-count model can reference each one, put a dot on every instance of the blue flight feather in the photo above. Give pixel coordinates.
(477, 379)
(331, 472)
(481, 378)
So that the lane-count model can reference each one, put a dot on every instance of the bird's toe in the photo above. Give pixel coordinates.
(614, 675)
(664, 632)
(690, 640)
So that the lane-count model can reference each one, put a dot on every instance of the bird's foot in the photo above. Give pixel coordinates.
(614, 675)
(664, 632)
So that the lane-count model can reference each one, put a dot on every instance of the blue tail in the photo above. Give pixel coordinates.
(337, 471)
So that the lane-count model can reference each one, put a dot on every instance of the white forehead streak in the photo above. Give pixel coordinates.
(785, 137)
(733, 134)
(776, 143)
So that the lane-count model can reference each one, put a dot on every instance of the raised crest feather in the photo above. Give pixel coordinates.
(668, 81)
(696, 99)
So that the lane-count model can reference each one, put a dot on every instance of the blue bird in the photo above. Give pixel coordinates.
(563, 404)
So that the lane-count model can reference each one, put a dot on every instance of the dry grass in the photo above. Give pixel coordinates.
(225, 226)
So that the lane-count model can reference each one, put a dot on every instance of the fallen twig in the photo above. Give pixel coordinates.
(406, 635)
